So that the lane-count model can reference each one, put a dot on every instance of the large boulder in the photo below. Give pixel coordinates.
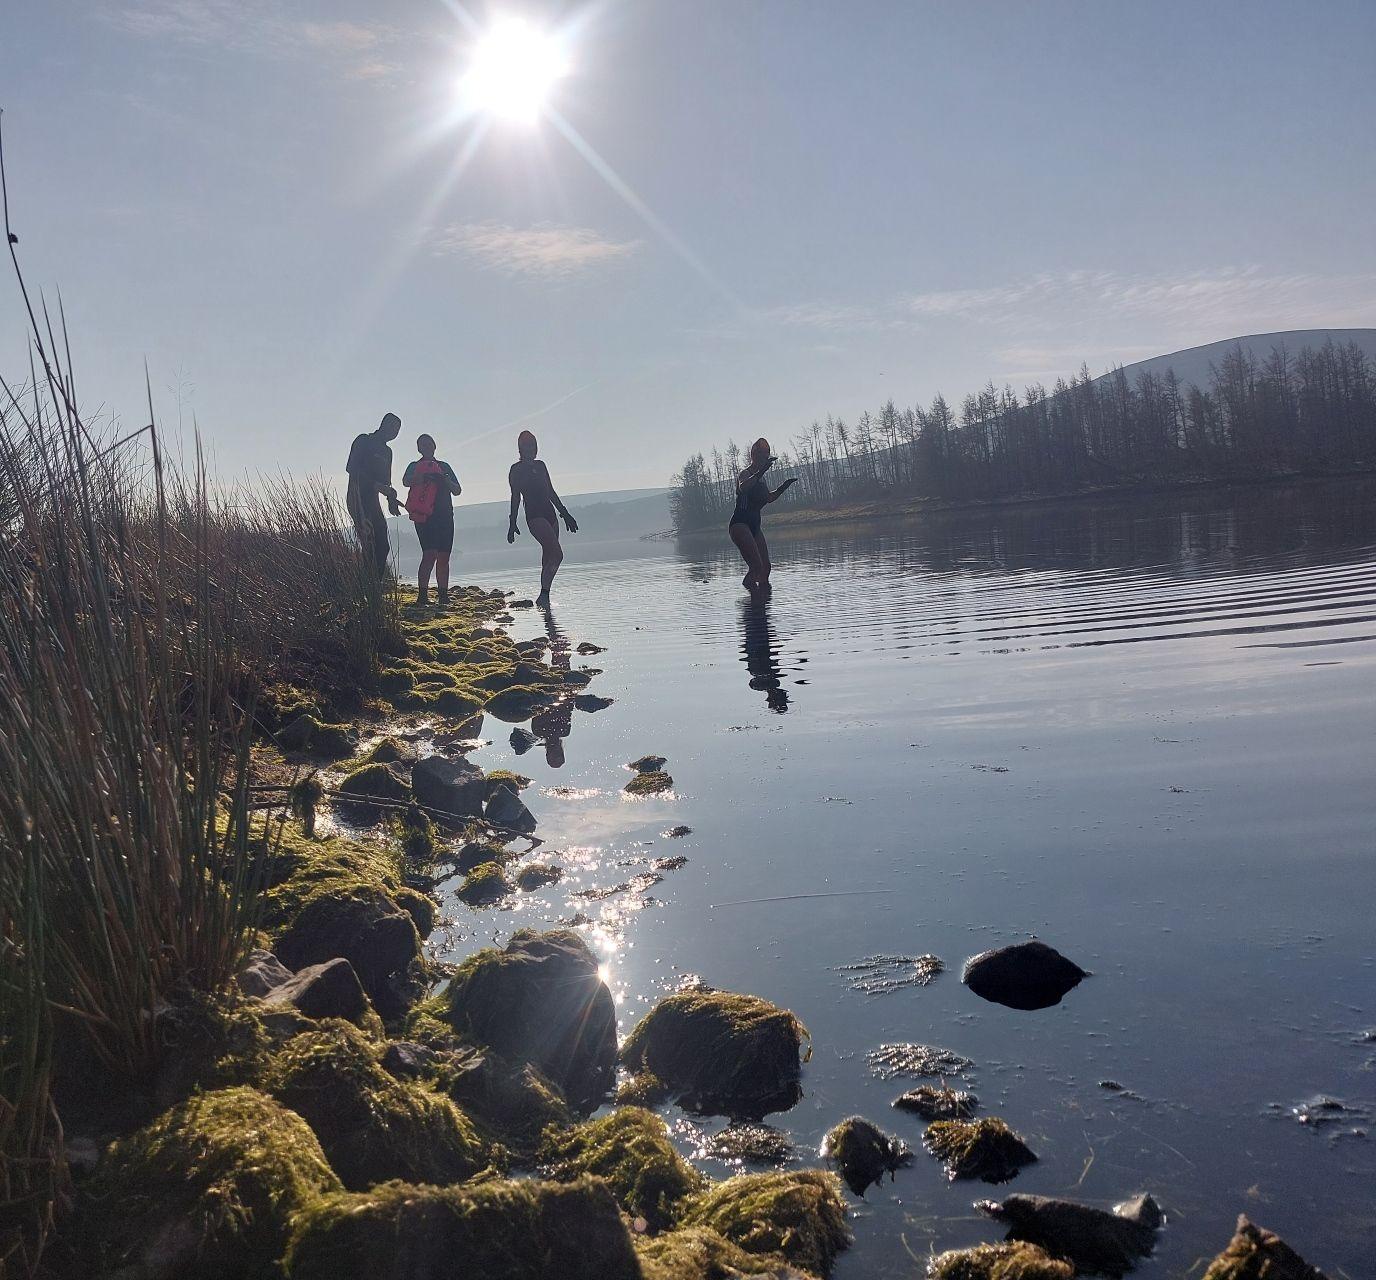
(864, 1153)
(720, 1053)
(513, 1230)
(329, 990)
(449, 786)
(1254, 1253)
(1095, 1241)
(209, 1189)
(541, 999)
(1027, 975)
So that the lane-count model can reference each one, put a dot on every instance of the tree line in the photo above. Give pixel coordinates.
(1311, 412)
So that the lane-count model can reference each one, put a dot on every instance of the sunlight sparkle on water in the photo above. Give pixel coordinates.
(512, 71)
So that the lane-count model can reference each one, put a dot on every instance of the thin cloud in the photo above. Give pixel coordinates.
(543, 252)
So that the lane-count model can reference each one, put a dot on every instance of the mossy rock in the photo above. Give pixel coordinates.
(504, 1230)
(798, 1216)
(208, 1189)
(986, 1148)
(1011, 1260)
(416, 834)
(630, 1149)
(420, 907)
(536, 875)
(511, 1103)
(1094, 1241)
(518, 702)
(541, 999)
(933, 1103)
(864, 1153)
(476, 852)
(722, 1053)
(484, 885)
(389, 750)
(505, 778)
(696, 1253)
(209, 1042)
(1254, 1253)
(374, 782)
(281, 703)
(395, 683)
(310, 735)
(650, 783)
(372, 1126)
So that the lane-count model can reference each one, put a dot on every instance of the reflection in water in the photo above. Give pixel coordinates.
(555, 723)
(761, 646)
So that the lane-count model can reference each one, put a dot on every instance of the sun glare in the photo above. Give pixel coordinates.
(512, 71)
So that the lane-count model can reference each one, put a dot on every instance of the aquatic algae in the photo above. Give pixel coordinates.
(798, 1215)
(524, 1230)
(535, 875)
(649, 783)
(484, 885)
(505, 777)
(630, 1149)
(644, 1089)
(932, 1103)
(1254, 1253)
(864, 1153)
(697, 1253)
(723, 1053)
(1011, 1260)
(986, 1148)
(749, 1142)
(372, 1126)
(208, 1189)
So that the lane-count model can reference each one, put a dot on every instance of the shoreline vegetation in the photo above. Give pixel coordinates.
(1293, 416)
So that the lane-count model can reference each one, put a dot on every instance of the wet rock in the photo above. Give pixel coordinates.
(449, 786)
(591, 702)
(500, 778)
(1323, 1111)
(631, 1150)
(648, 764)
(677, 833)
(512, 1102)
(541, 1000)
(536, 875)
(581, 678)
(878, 975)
(506, 809)
(522, 1230)
(890, 1061)
(474, 853)
(1093, 1240)
(519, 701)
(522, 740)
(520, 604)
(1026, 975)
(484, 885)
(864, 1153)
(262, 973)
(932, 1103)
(1012, 1260)
(209, 1189)
(1254, 1253)
(670, 864)
(747, 1142)
(721, 1053)
(987, 1149)
(649, 784)
(329, 990)
(374, 782)
(587, 648)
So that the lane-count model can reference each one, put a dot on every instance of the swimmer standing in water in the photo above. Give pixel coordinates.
(752, 496)
(530, 482)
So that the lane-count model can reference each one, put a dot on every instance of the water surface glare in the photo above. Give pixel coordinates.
(1142, 732)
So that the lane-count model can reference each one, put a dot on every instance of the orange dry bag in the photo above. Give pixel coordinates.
(425, 487)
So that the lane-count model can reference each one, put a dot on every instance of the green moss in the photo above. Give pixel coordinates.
(395, 683)
(208, 1189)
(1013, 1260)
(476, 852)
(427, 1022)
(371, 1126)
(649, 784)
(631, 1150)
(1254, 1253)
(535, 875)
(389, 750)
(864, 1153)
(505, 777)
(309, 734)
(484, 885)
(512, 1230)
(724, 1053)
(798, 1216)
(375, 782)
(643, 1090)
(210, 1042)
(416, 834)
(280, 704)
(420, 907)
(695, 1253)
(513, 1104)
(519, 702)
(986, 1148)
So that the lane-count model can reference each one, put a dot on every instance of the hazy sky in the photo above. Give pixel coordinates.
(748, 213)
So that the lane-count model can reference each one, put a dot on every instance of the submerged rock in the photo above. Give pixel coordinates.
(1254, 1253)
(536, 875)
(449, 786)
(484, 885)
(749, 1142)
(522, 740)
(890, 1061)
(864, 1153)
(878, 975)
(587, 648)
(506, 809)
(208, 1189)
(329, 990)
(677, 833)
(649, 784)
(540, 999)
(1095, 1241)
(987, 1149)
(1026, 975)
(590, 702)
(932, 1103)
(629, 1149)
(1012, 1260)
(722, 1053)
(513, 1230)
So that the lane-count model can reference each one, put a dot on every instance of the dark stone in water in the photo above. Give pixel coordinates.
(1096, 1241)
(932, 1103)
(522, 740)
(507, 809)
(1254, 1253)
(1027, 975)
(864, 1153)
(591, 702)
(676, 833)
(648, 764)
(449, 786)
(986, 1149)
(587, 648)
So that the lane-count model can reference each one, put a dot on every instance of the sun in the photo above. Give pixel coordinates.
(513, 68)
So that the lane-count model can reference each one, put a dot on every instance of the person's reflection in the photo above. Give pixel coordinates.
(760, 646)
(555, 723)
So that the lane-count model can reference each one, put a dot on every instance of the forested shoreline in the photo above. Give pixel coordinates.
(1294, 413)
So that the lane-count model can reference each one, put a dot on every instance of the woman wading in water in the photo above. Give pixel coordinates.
(752, 496)
(530, 482)
(433, 487)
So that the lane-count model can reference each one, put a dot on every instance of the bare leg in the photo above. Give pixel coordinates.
(766, 564)
(756, 572)
(546, 533)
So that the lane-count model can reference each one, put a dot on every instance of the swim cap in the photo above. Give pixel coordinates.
(526, 443)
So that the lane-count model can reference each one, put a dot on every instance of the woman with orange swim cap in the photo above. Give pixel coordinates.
(530, 483)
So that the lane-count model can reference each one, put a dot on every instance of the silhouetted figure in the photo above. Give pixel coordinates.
(432, 487)
(752, 496)
(759, 644)
(370, 480)
(530, 483)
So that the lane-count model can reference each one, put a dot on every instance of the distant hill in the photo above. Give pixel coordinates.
(1192, 365)
(619, 513)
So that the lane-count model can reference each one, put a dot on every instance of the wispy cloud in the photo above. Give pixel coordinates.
(543, 252)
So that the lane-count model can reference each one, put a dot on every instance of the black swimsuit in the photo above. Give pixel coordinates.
(750, 502)
(531, 480)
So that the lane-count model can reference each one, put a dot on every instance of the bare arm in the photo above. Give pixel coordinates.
(776, 494)
(512, 530)
(570, 523)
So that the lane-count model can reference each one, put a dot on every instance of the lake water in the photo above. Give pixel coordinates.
(1141, 730)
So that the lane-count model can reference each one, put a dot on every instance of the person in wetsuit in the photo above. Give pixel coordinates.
(430, 504)
(370, 479)
(752, 496)
(530, 483)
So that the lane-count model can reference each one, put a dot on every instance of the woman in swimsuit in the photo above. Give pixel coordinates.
(530, 482)
(752, 496)
(430, 504)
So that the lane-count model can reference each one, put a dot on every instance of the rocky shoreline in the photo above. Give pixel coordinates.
(355, 1108)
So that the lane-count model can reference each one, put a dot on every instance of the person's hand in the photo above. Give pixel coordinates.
(570, 523)
(393, 504)
(511, 533)
(786, 483)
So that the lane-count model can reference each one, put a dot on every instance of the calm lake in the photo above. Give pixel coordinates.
(1141, 730)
